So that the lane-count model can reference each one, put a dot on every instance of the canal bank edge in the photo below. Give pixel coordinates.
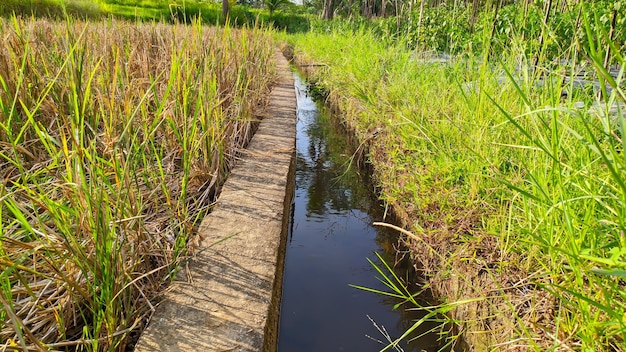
(227, 298)
(480, 324)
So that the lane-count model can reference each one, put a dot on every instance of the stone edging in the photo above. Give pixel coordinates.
(228, 297)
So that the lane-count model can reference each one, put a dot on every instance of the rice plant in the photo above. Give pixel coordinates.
(114, 140)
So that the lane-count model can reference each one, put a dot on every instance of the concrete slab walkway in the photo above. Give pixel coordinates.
(228, 297)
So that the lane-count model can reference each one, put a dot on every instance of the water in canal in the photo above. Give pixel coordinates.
(330, 238)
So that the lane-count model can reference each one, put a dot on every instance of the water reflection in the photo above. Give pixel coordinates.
(330, 240)
(322, 168)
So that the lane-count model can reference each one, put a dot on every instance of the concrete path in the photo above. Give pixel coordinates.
(228, 297)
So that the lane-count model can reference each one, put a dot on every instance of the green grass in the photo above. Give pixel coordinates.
(114, 138)
(51, 8)
(188, 11)
(514, 195)
(209, 12)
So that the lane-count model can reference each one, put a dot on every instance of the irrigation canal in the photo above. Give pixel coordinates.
(329, 240)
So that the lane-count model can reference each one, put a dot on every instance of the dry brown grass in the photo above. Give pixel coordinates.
(114, 139)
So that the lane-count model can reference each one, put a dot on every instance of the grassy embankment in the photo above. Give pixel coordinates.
(209, 12)
(188, 11)
(50, 8)
(114, 138)
(514, 193)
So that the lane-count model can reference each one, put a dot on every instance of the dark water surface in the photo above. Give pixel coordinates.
(331, 238)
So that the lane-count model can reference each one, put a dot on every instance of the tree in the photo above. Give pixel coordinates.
(273, 5)
(225, 9)
(327, 13)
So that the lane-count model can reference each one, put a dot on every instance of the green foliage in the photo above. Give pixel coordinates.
(447, 29)
(442, 29)
(50, 8)
(273, 5)
(479, 146)
(290, 22)
(188, 11)
(561, 30)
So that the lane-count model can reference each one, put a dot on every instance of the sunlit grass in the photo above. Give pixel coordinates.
(513, 190)
(114, 139)
(188, 11)
(51, 8)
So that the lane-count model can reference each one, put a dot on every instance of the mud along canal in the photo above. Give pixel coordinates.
(330, 237)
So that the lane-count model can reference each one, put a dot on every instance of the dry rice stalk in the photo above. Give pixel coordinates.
(114, 140)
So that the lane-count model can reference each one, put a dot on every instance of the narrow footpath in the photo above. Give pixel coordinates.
(227, 298)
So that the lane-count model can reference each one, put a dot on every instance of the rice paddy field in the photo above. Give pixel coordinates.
(114, 140)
